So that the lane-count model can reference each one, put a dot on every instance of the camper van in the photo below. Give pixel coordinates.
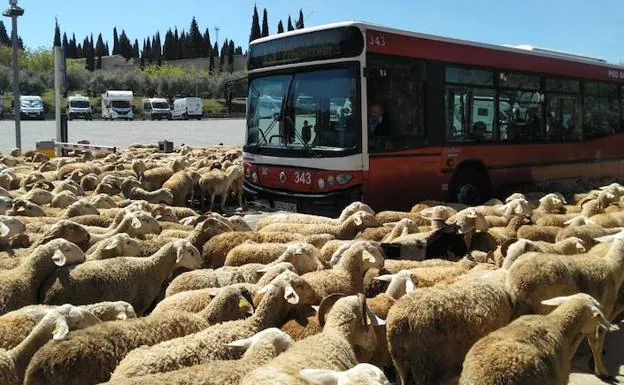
(188, 108)
(155, 108)
(31, 106)
(78, 106)
(117, 105)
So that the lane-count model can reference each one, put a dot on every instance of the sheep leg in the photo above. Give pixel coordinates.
(596, 343)
(212, 198)
(223, 199)
(240, 201)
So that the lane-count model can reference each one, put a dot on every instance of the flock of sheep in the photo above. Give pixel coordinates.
(106, 276)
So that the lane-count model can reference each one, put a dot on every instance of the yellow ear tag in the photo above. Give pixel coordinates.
(368, 320)
(367, 256)
(121, 316)
(56, 330)
(243, 304)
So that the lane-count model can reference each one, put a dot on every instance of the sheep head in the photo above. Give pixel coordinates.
(359, 374)
(164, 213)
(303, 256)
(5, 204)
(594, 317)
(123, 244)
(338, 310)
(26, 209)
(552, 203)
(79, 208)
(78, 317)
(362, 220)
(63, 252)
(10, 227)
(273, 336)
(111, 311)
(233, 302)
(187, 255)
(139, 223)
(71, 231)
(296, 291)
(64, 199)
(400, 283)
(103, 201)
(139, 168)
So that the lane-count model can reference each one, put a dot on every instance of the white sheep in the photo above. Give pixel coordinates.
(346, 230)
(516, 248)
(218, 182)
(314, 219)
(116, 246)
(360, 374)
(535, 349)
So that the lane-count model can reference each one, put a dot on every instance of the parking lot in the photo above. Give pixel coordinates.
(205, 132)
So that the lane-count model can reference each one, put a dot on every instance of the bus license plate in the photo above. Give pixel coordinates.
(286, 206)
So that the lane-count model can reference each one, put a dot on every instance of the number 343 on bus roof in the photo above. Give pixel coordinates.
(615, 74)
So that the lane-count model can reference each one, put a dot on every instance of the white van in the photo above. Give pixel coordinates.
(79, 106)
(155, 108)
(188, 108)
(117, 105)
(31, 106)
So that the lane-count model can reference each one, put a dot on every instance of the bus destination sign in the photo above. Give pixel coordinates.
(318, 45)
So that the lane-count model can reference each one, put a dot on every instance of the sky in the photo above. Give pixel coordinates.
(594, 28)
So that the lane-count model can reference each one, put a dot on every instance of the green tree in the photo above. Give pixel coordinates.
(255, 26)
(211, 61)
(100, 48)
(231, 56)
(280, 27)
(135, 49)
(222, 55)
(195, 40)
(116, 48)
(148, 52)
(157, 49)
(265, 23)
(65, 42)
(300, 21)
(290, 25)
(206, 44)
(4, 36)
(57, 34)
(125, 46)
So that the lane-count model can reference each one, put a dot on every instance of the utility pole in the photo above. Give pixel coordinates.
(14, 12)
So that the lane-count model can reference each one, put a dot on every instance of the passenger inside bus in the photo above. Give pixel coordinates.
(478, 131)
(378, 123)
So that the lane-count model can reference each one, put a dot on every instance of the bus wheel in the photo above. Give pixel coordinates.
(470, 187)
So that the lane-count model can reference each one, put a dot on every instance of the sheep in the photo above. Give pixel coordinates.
(501, 234)
(515, 248)
(535, 349)
(181, 184)
(19, 286)
(535, 277)
(216, 183)
(164, 213)
(194, 301)
(539, 233)
(260, 348)
(25, 209)
(252, 252)
(108, 188)
(431, 329)
(79, 208)
(588, 233)
(38, 196)
(118, 245)
(102, 201)
(209, 344)
(90, 356)
(86, 168)
(64, 199)
(216, 249)
(154, 178)
(131, 189)
(347, 325)
(55, 324)
(549, 204)
(89, 182)
(314, 219)
(10, 227)
(16, 325)
(68, 185)
(360, 374)
(393, 266)
(615, 219)
(347, 230)
(116, 279)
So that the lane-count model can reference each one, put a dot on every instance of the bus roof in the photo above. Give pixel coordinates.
(521, 49)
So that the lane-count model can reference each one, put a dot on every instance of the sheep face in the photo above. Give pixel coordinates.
(593, 319)
(296, 290)
(362, 220)
(186, 254)
(103, 201)
(304, 256)
(10, 227)
(64, 252)
(78, 317)
(359, 374)
(68, 230)
(111, 311)
(81, 208)
(26, 209)
(124, 245)
(142, 223)
(274, 336)
(165, 214)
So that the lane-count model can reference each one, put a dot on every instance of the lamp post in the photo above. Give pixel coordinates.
(14, 12)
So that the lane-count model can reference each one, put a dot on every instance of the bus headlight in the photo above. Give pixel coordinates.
(321, 183)
(254, 177)
(330, 180)
(343, 178)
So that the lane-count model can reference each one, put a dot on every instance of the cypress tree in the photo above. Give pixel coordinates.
(280, 27)
(98, 64)
(73, 48)
(4, 36)
(157, 47)
(224, 49)
(215, 49)
(107, 51)
(125, 46)
(79, 52)
(255, 26)
(92, 53)
(100, 48)
(238, 50)
(176, 45)
(65, 42)
(211, 61)
(57, 34)
(168, 47)
(265, 24)
(231, 56)
(195, 40)
(290, 25)
(206, 45)
(149, 58)
(115, 42)
(135, 49)
(300, 21)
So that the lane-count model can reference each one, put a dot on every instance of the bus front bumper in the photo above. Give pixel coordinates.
(329, 204)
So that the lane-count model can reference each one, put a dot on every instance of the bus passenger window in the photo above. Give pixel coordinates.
(601, 112)
(470, 114)
(523, 114)
(561, 118)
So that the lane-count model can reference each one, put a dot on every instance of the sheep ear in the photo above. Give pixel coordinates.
(556, 301)
(372, 319)
(61, 328)
(358, 220)
(409, 285)
(4, 230)
(385, 277)
(59, 258)
(112, 245)
(580, 247)
(603, 321)
(264, 289)
(319, 376)
(135, 222)
(291, 295)
(244, 343)
(368, 257)
(214, 291)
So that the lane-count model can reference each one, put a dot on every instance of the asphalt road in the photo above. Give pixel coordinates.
(205, 132)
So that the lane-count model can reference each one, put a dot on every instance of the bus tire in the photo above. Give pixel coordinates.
(470, 186)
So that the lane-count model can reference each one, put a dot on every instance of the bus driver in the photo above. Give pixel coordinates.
(378, 124)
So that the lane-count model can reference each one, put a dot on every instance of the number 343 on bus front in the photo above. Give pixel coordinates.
(303, 177)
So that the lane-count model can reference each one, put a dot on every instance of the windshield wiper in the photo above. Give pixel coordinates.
(276, 118)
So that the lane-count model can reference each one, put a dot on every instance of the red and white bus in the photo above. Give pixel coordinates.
(459, 120)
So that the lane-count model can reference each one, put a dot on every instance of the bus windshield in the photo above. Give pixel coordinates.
(120, 104)
(79, 104)
(311, 111)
